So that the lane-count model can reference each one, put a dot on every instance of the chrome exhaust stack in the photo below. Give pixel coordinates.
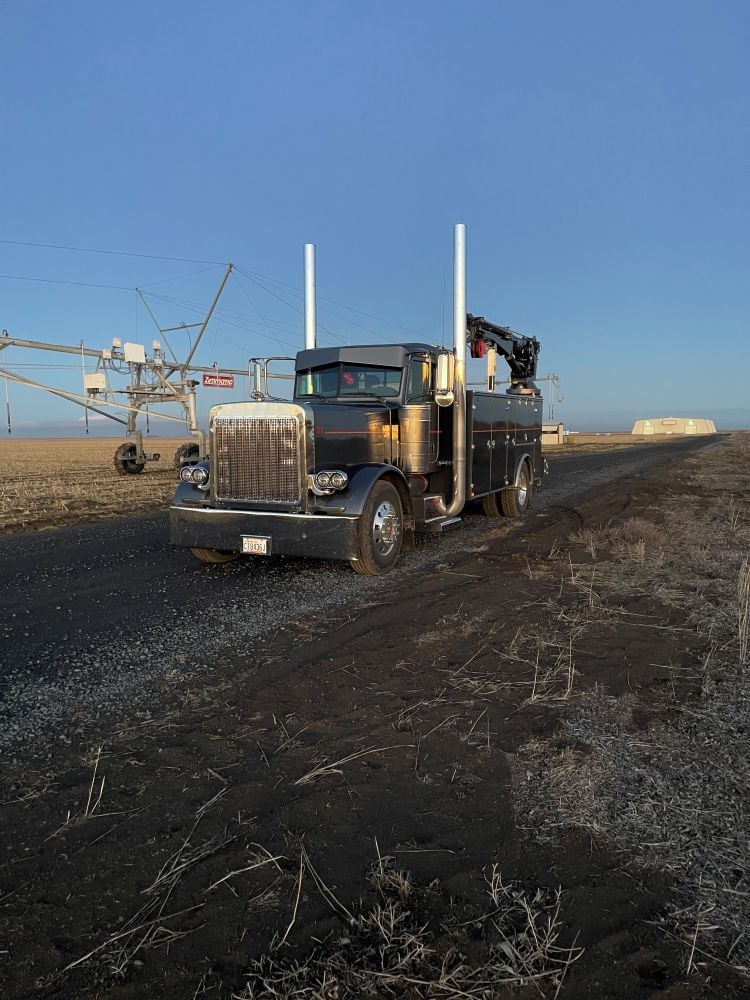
(458, 498)
(310, 305)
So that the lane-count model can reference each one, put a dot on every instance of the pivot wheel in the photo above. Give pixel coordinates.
(215, 555)
(126, 461)
(380, 531)
(185, 453)
(516, 500)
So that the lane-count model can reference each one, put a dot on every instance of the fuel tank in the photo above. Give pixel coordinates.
(418, 440)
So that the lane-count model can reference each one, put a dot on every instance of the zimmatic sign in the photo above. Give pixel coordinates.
(219, 381)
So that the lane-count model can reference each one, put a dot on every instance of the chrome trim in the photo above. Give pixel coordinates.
(458, 497)
(385, 528)
(222, 511)
(418, 447)
(258, 453)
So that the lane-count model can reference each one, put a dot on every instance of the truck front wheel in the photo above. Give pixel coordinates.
(516, 500)
(380, 531)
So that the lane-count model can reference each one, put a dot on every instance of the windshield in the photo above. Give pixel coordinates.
(346, 380)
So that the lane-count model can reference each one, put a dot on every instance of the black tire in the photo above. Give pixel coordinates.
(380, 531)
(215, 555)
(185, 453)
(516, 500)
(125, 461)
(492, 505)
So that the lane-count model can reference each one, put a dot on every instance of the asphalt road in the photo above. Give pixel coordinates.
(95, 617)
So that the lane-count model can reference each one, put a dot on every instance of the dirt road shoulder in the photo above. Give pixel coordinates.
(503, 778)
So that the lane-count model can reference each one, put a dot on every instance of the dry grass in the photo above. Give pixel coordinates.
(391, 948)
(153, 925)
(674, 796)
(661, 793)
(691, 558)
(328, 768)
(538, 665)
(743, 609)
(48, 482)
(583, 443)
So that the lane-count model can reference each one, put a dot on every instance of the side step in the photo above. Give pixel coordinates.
(437, 524)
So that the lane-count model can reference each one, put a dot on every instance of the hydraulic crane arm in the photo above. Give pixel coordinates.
(520, 352)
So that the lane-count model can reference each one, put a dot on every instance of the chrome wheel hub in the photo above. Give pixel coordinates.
(385, 528)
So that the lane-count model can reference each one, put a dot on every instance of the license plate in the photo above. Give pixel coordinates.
(256, 545)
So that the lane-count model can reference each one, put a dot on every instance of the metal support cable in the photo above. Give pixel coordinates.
(290, 305)
(57, 281)
(254, 305)
(324, 298)
(113, 253)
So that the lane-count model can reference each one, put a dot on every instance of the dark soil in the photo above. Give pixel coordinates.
(423, 689)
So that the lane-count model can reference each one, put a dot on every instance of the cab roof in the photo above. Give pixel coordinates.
(385, 355)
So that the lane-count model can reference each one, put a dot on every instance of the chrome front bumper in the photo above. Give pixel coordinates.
(314, 536)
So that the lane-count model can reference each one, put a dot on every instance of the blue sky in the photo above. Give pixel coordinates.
(599, 154)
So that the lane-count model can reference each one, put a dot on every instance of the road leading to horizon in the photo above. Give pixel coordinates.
(95, 616)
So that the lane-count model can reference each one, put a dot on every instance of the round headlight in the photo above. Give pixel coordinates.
(339, 480)
(186, 474)
(200, 475)
(323, 480)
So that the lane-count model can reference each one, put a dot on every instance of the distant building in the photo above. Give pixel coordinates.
(674, 425)
(553, 434)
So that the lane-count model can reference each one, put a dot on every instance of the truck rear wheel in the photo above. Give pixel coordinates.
(380, 531)
(492, 505)
(516, 500)
(214, 555)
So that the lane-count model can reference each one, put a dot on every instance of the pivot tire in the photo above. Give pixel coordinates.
(185, 453)
(126, 462)
(516, 500)
(215, 555)
(380, 531)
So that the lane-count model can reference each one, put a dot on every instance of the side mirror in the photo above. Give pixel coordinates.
(445, 378)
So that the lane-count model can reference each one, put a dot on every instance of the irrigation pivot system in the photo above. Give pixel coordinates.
(152, 380)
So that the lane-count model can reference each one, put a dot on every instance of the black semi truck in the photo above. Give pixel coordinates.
(378, 442)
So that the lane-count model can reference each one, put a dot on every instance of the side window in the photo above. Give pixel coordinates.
(419, 381)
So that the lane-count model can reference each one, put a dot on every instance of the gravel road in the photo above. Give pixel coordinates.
(94, 617)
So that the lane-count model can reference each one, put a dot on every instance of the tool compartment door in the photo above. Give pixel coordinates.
(524, 431)
(479, 443)
(501, 430)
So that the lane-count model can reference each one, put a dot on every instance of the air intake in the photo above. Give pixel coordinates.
(257, 459)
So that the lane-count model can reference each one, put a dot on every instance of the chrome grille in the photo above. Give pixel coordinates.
(257, 459)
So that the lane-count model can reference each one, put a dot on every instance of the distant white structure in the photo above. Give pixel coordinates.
(674, 425)
(553, 434)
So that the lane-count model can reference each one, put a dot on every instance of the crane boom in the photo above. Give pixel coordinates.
(520, 352)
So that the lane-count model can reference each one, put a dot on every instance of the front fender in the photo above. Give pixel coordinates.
(525, 457)
(188, 491)
(351, 501)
